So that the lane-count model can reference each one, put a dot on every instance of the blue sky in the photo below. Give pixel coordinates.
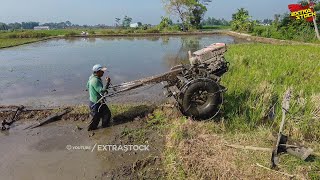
(105, 11)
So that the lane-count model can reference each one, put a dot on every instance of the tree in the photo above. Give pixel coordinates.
(225, 22)
(241, 21)
(117, 21)
(139, 24)
(60, 25)
(197, 9)
(316, 7)
(14, 25)
(315, 24)
(276, 20)
(29, 25)
(179, 8)
(212, 21)
(68, 23)
(188, 11)
(267, 21)
(165, 22)
(126, 21)
(3, 26)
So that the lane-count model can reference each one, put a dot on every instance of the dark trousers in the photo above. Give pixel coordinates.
(98, 112)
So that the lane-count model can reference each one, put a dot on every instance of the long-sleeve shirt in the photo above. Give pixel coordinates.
(96, 89)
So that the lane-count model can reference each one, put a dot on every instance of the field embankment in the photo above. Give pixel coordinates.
(15, 38)
(268, 40)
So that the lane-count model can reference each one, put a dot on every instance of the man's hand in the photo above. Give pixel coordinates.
(108, 79)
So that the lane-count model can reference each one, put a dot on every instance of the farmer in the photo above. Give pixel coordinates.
(99, 110)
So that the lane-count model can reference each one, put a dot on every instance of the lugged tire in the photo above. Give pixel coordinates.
(211, 105)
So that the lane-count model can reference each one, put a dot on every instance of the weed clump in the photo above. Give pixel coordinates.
(27, 34)
(71, 33)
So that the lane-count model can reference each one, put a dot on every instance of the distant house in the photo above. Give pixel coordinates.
(134, 25)
(41, 28)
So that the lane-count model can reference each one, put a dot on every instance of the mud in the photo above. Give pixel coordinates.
(41, 153)
(131, 165)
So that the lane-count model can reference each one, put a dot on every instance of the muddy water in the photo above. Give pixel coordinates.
(41, 154)
(55, 72)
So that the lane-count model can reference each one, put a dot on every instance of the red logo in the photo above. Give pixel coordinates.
(302, 12)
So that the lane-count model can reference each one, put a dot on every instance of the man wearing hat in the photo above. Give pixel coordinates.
(99, 110)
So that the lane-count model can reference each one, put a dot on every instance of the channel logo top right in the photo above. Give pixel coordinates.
(298, 11)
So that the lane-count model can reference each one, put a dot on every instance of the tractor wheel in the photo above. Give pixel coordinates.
(201, 99)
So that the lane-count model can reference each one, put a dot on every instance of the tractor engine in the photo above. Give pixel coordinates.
(196, 89)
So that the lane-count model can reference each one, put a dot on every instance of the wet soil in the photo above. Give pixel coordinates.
(42, 153)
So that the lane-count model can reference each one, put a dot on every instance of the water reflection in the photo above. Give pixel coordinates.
(165, 40)
(61, 67)
(181, 56)
(72, 40)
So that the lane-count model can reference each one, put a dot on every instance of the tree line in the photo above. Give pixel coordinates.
(210, 21)
(283, 26)
(52, 25)
(16, 25)
(189, 12)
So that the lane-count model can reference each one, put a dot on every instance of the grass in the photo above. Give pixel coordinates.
(15, 38)
(215, 27)
(38, 33)
(300, 33)
(14, 42)
(193, 151)
(258, 77)
(136, 135)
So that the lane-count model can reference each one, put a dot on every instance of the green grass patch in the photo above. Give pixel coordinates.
(172, 158)
(36, 34)
(215, 27)
(300, 33)
(136, 135)
(14, 42)
(258, 77)
(71, 33)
